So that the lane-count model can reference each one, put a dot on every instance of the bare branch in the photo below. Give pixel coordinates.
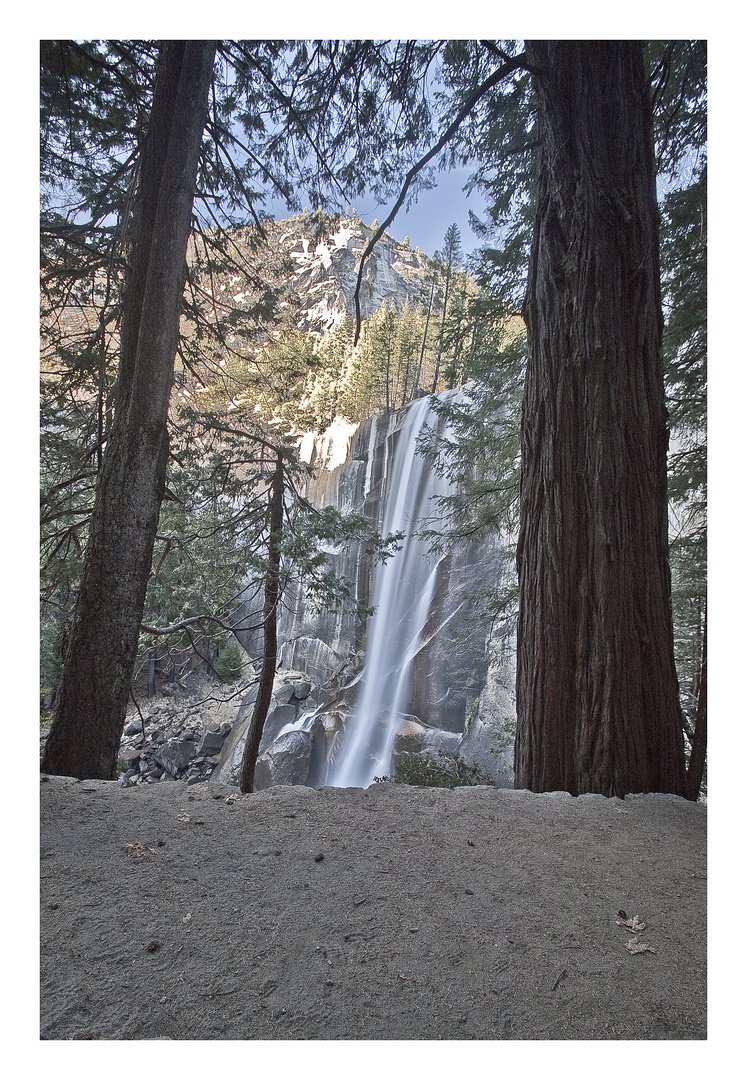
(516, 62)
(193, 621)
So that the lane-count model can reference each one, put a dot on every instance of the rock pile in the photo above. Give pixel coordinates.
(186, 737)
(166, 753)
(175, 740)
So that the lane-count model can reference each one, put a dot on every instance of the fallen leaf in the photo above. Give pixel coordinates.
(319, 857)
(634, 925)
(135, 851)
(183, 817)
(152, 946)
(636, 946)
(187, 918)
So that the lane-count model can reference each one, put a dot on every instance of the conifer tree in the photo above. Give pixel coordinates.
(100, 653)
(597, 695)
(449, 259)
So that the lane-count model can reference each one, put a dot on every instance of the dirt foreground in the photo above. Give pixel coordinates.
(395, 913)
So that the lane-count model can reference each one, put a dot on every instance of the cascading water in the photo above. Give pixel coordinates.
(343, 691)
(403, 592)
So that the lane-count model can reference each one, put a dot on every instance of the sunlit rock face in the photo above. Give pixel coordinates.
(326, 270)
(422, 659)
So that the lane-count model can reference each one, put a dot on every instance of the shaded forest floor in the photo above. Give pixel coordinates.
(392, 913)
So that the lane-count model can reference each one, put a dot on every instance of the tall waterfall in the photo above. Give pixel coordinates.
(346, 694)
(403, 592)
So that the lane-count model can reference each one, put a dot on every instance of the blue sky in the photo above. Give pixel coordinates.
(428, 219)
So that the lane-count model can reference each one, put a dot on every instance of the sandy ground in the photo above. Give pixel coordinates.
(395, 913)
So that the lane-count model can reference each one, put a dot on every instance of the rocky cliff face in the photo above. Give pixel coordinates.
(317, 261)
(431, 628)
(326, 271)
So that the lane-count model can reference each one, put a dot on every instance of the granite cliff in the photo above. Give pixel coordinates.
(439, 682)
(313, 262)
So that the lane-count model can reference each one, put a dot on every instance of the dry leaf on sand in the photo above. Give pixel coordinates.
(636, 946)
(633, 926)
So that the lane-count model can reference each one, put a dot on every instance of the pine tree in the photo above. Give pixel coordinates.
(449, 258)
(100, 654)
(597, 696)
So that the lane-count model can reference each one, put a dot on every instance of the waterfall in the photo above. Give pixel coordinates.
(403, 592)
(422, 655)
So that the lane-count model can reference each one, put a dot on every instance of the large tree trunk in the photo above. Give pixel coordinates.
(270, 633)
(597, 697)
(99, 660)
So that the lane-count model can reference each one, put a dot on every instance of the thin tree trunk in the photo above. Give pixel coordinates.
(152, 657)
(99, 660)
(441, 333)
(597, 698)
(696, 765)
(270, 623)
(416, 384)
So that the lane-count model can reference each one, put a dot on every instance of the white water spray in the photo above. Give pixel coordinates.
(403, 592)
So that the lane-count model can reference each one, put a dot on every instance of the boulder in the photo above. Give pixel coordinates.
(277, 718)
(415, 738)
(210, 743)
(286, 761)
(176, 755)
(283, 694)
(332, 723)
(317, 774)
(131, 755)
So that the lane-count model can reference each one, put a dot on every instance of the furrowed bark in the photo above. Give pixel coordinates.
(100, 656)
(597, 697)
